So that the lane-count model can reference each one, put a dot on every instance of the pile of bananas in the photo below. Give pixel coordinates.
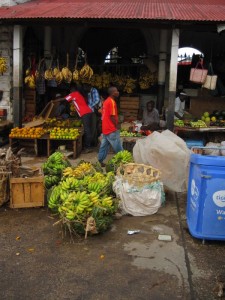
(147, 79)
(122, 157)
(53, 169)
(129, 85)
(3, 65)
(77, 199)
(80, 171)
(86, 72)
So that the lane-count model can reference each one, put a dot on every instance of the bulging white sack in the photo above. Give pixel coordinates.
(168, 153)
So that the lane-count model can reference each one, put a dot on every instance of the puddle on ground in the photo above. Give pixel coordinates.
(161, 256)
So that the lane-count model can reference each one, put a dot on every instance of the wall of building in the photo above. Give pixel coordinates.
(6, 79)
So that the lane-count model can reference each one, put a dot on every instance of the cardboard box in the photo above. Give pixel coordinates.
(27, 192)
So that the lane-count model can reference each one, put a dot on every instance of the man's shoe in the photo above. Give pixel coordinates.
(102, 164)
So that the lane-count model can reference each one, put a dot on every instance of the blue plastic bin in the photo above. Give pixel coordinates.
(206, 197)
(194, 143)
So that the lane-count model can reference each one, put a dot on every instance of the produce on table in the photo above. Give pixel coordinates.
(84, 194)
(198, 124)
(122, 157)
(26, 132)
(124, 133)
(179, 123)
(64, 133)
(53, 169)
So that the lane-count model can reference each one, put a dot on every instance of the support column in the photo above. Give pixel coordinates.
(173, 78)
(162, 69)
(47, 41)
(17, 74)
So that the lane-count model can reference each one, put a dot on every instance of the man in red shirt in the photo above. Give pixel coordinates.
(85, 112)
(110, 132)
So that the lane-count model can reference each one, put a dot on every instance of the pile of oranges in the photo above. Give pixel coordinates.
(26, 132)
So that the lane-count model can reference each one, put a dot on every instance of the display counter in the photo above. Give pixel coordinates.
(46, 145)
(206, 134)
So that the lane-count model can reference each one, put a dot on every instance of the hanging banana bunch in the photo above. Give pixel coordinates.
(29, 78)
(86, 71)
(67, 74)
(49, 72)
(76, 72)
(39, 74)
(3, 64)
(130, 85)
(58, 75)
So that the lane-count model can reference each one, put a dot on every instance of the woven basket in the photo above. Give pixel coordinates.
(138, 174)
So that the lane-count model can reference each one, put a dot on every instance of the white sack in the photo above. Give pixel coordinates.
(168, 153)
(142, 201)
(213, 152)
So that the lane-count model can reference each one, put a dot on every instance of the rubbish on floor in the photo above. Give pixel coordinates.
(164, 237)
(133, 231)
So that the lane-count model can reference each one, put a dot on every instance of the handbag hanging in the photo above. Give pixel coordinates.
(198, 75)
(210, 82)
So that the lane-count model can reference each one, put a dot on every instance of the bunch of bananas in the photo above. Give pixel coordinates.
(129, 85)
(51, 180)
(3, 65)
(147, 79)
(86, 72)
(122, 157)
(30, 79)
(77, 199)
(55, 164)
(67, 74)
(59, 77)
(75, 75)
(49, 74)
(80, 171)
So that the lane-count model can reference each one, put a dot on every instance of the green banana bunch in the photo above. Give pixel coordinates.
(51, 180)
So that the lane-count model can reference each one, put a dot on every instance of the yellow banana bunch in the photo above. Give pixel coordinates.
(3, 65)
(130, 85)
(75, 75)
(67, 74)
(107, 202)
(30, 81)
(106, 79)
(48, 74)
(59, 77)
(55, 71)
(68, 171)
(86, 72)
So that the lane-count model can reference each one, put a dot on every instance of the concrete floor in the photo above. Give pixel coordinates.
(37, 261)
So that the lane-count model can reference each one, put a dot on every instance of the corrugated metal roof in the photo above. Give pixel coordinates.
(189, 10)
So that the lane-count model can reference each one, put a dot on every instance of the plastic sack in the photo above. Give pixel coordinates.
(213, 152)
(139, 201)
(168, 153)
(223, 146)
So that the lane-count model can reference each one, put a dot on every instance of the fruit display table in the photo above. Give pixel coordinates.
(207, 134)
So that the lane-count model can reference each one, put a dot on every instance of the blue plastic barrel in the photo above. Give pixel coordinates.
(206, 197)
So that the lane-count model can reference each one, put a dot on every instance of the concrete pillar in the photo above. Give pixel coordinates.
(17, 74)
(162, 69)
(173, 77)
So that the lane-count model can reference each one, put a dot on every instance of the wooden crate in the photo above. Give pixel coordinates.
(129, 107)
(27, 192)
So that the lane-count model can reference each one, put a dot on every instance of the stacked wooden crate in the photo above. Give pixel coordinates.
(129, 108)
(30, 102)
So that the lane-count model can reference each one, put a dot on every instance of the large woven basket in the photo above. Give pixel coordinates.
(138, 174)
